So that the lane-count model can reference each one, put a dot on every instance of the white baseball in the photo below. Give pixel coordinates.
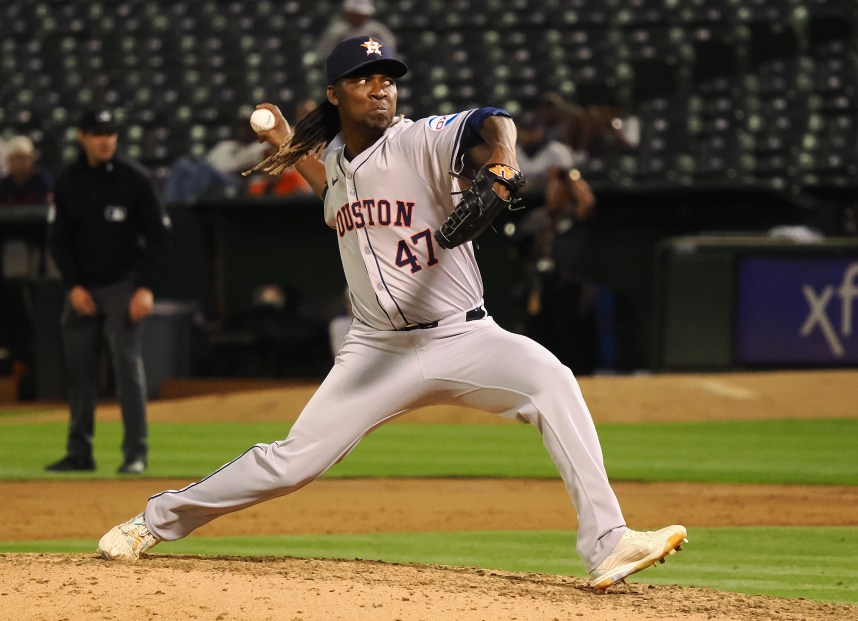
(262, 120)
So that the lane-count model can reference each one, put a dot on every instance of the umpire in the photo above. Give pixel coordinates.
(109, 235)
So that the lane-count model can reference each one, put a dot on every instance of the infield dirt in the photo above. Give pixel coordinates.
(162, 586)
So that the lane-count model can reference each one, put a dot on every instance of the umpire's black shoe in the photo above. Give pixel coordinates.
(70, 463)
(132, 466)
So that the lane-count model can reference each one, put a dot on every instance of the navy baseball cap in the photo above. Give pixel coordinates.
(359, 52)
(97, 121)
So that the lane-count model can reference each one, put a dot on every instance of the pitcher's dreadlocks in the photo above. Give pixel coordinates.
(310, 136)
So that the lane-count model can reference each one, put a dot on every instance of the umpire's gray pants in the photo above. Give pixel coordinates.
(82, 341)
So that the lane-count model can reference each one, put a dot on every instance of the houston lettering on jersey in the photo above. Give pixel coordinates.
(372, 212)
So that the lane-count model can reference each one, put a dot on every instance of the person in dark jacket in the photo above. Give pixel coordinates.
(552, 240)
(108, 234)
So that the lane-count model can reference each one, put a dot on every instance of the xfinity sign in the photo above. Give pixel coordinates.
(797, 311)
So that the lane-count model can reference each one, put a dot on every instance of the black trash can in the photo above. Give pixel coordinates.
(169, 341)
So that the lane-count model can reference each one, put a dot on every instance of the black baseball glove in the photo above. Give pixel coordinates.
(480, 205)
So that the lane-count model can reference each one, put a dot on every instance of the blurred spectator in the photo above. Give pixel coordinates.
(109, 236)
(554, 112)
(217, 174)
(354, 20)
(239, 152)
(551, 240)
(289, 182)
(594, 130)
(598, 130)
(21, 259)
(25, 183)
(536, 154)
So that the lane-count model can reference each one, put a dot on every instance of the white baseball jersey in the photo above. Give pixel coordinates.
(395, 272)
(385, 205)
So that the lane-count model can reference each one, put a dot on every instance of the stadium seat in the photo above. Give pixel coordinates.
(831, 33)
(771, 11)
(772, 41)
(663, 149)
(835, 81)
(708, 11)
(716, 109)
(645, 12)
(829, 150)
(587, 12)
(203, 60)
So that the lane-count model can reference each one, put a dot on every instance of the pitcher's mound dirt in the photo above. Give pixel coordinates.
(79, 586)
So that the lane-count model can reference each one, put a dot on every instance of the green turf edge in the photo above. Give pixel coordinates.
(814, 563)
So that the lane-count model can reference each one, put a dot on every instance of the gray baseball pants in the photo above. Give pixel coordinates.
(379, 375)
(83, 338)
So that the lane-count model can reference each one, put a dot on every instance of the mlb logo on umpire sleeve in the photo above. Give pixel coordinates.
(114, 213)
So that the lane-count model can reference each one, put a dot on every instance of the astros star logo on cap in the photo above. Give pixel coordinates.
(372, 47)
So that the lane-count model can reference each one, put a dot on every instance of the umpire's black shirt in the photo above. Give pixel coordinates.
(107, 225)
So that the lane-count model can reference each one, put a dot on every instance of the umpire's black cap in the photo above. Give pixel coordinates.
(97, 121)
(358, 52)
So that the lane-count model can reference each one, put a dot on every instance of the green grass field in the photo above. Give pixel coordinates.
(815, 563)
(821, 452)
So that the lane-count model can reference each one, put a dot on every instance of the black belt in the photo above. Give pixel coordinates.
(472, 315)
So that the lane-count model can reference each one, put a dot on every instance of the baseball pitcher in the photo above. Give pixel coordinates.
(405, 220)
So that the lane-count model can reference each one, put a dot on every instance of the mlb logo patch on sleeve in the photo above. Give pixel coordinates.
(437, 123)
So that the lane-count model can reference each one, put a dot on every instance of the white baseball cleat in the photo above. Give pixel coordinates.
(127, 541)
(635, 551)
